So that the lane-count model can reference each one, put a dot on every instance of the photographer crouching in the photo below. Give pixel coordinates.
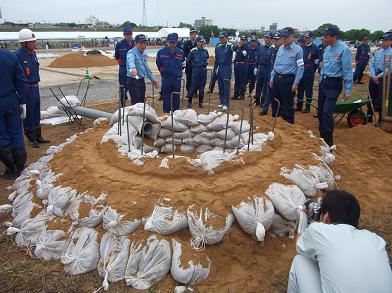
(335, 256)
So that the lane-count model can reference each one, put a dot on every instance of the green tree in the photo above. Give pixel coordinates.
(129, 24)
(375, 36)
(185, 25)
(319, 31)
(207, 31)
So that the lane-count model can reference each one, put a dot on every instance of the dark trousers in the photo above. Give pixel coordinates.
(262, 79)
(281, 91)
(224, 79)
(329, 91)
(168, 86)
(213, 80)
(359, 69)
(199, 80)
(188, 74)
(33, 107)
(10, 123)
(373, 91)
(241, 78)
(122, 80)
(305, 86)
(251, 77)
(137, 90)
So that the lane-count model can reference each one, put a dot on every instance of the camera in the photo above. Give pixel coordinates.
(313, 210)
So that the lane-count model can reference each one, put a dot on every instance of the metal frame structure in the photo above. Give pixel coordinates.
(386, 94)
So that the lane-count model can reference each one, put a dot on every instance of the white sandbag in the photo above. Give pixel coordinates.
(23, 214)
(209, 134)
(48, 246)
(149, 264)
(306, 180)
(164, 132)
(137, 110)
(183, 134)
(82, 253)
(159, 142)
(325, 175)
(168, 148)
(112, 221)
(199, 139)
(5, 209)
(218, 142)
(94, 218)
(165, 221)
(45, 184)
(204, 148)
(186, 148)
(219, 123)
(189, 274)
(177, 126)
(255, 216)
(114, 257)
(236, 126)
(155, 130)
(189, 140)
(212, 159)
(282, 227)
(230, 134)
(68, 101)
(199, 128)
(207, 119)
(170, 140)
(187, 117)
(61, 201)
(202, 232)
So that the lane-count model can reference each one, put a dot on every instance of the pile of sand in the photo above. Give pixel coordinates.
(77, 59)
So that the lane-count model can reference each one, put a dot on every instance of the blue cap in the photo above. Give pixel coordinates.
(287, 31)
(277, 35)
(301, 39)
(269, 35)
(223, 35)
(193, 30)
(309, 34)
(127, 30)
(172, 37)
(200, 38)
(387, 36)
(140, 38)
(331, 31)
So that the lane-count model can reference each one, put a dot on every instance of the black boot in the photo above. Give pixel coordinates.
(299, 106)
(7, 157)
(20, 157)
(40, 139)
(201, 99)
(32, 137)
(329, 138)
(307, 109)
(242, 96)
(257, 101)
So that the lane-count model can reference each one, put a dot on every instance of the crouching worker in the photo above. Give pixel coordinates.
(198, 58)
(12, 111)
(335, 256)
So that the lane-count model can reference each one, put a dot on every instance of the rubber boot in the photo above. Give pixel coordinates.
(32, 137)
(189, 102)
(329, 138)
(299, 106)
(307, 109)
(40, 139)
(322, 135)
(201, 99)
(235, 96)
(242, 96)
(20, 157)
(7, 157)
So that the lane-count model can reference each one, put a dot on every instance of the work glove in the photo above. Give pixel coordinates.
(244, 53)
(255, 71)
(22, 109)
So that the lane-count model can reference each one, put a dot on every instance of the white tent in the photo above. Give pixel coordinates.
(182, 32)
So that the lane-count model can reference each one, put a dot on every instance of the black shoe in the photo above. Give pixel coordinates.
(32, 137)
(189, 105)
(20, 157)
(360, 82)
(40, 139)
(299, 106)
(7, 157)
(235, 97)
(307, 109)
(257, 101)
(328, 138)
(241, 97)
(263, 113)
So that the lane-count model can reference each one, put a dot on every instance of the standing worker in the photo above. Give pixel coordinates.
(198, 57)
(12, 110)
(28, 60)
(361, 60)
(311, 60)
(336, 69)
(120, 54)
(223, 68)
(286, 75)
(377, 70)
(241, 69)
(188, 46)
(263, 71)
(169, 61)
(253, 56)
(138, 70)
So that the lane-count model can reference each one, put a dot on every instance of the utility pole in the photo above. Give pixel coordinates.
(144, 21)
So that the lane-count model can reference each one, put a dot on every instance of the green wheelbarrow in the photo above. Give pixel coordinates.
(353, 111)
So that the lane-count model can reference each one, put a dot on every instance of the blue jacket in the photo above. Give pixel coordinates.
(265, 57)
(253, 55)
(377, 63)
(223, 55)
(311, 57)
(242, 54)
(198, 57)
(29, 62)
(12, 77)
(188, 46)
(121, 51)
(169, 62)
(137, 59)
(363, 53)
(337, 62)
(274, 52)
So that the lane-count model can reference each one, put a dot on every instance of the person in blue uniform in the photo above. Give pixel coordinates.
(12, 112)
(277, 42)
(301, 41)
(29, 61)
(336, 70)
(198, 57)
(170, 61)
(120, 54)
(138, 70)
(361, 60)
(187, 47)
(264, 67)
(377, 73)
(286, 75)
(223, 60)
(253, 56)
(311, 60)
(241, 69)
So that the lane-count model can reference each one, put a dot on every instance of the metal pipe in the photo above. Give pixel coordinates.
(276, 115)
(172, 118)
(209, 87)
(251, 123)
(129, 140)
(119, 130)
(91, 113)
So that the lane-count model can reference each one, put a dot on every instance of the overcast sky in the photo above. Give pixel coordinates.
(301, 14)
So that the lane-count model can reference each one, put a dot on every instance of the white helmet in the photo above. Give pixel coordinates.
(26, 35)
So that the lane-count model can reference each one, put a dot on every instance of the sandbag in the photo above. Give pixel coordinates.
(147, 264)
(209, 134)
(170, 140)
(187, 117)
(137, 110)
(94, 218)
(112, 221)
(189, 274)
(282, 227)
(219, 123)
(202, 230)
(199, 139)
(164, 132)
(204, 148)
(199, 128)
(212, 159)
(113, 261)
(306, 180)
(159, 142)
(165, 221)
(236, 126)
(207, 118)
(82, 253)
(183, 134)
(49, 246)
(168, 148)
(189, 141)
(177, 126)
(155, 131)
(186, 148)
(61, 201)
(325, 175)
(230, 134)
(68, 101)
(255, 216)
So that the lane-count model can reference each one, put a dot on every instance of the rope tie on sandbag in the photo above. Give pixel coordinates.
(198, 243)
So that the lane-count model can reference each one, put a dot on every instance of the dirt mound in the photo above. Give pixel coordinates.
(77, 59)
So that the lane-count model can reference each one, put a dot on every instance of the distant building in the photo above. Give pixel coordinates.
(273, 27)
(103, 24)
(92, 20)
(202, 22)
(262, 29)
(1, 17)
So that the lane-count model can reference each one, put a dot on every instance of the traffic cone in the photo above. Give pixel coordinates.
(87, 74)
